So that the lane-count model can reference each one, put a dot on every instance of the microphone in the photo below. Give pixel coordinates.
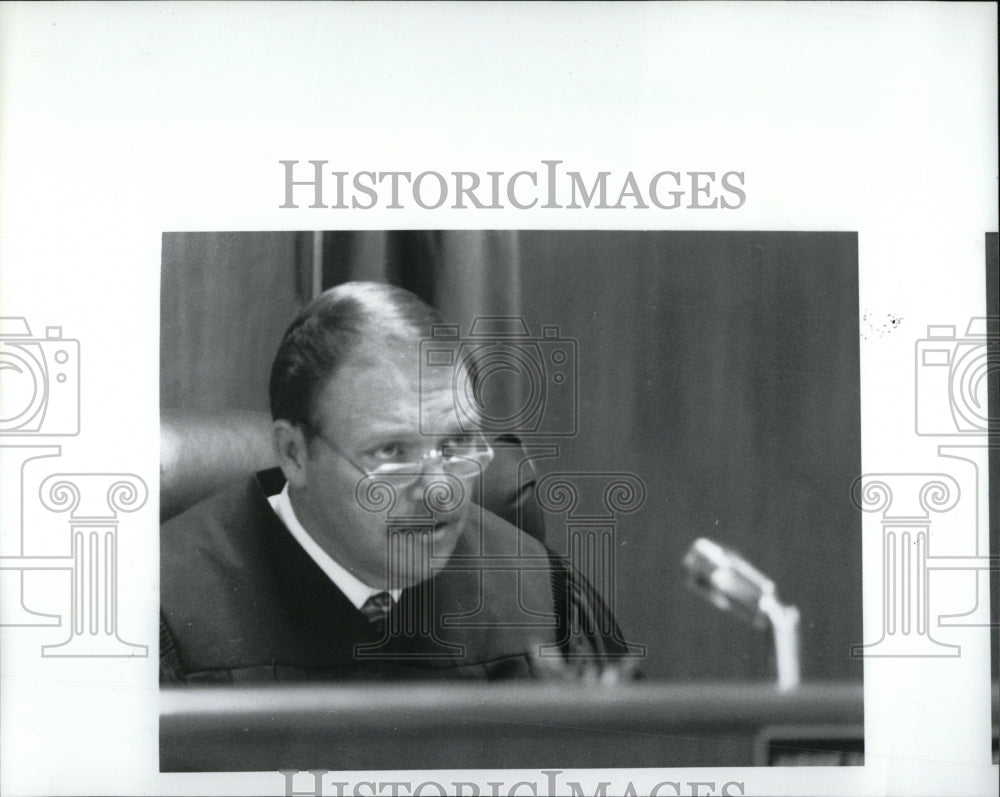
(727, 580)
(732, 584)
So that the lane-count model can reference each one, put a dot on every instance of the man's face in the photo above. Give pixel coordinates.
(368, 413)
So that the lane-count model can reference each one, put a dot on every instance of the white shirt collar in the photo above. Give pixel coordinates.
(355, 589)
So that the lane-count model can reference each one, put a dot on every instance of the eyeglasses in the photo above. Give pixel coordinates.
(461, 455)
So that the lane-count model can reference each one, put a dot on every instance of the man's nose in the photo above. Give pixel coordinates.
(435, 489)
(429, 472)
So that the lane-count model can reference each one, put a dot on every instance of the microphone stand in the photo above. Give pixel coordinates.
(784, 622)
(731, 583)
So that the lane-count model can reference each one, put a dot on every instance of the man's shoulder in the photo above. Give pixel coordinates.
(488, 534)
(220, 603)
(226, 527)
(242, 499)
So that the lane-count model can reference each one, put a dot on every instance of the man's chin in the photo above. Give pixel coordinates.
(424, 550)
(445, 537)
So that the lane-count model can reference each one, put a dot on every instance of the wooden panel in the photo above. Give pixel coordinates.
(226, 299)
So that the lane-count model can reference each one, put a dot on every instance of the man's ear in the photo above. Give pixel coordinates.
(292, 450)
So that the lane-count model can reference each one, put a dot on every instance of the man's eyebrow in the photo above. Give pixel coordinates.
(406, 431)
(407, 434)
(382, 431)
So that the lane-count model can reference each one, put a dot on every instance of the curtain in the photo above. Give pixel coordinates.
(464, 273)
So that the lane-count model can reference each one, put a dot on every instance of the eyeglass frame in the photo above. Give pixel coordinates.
(418, 467)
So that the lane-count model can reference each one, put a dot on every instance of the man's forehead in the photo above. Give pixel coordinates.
(387, 388)
(395, 366)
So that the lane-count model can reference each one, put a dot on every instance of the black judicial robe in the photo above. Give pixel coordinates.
(242, 602)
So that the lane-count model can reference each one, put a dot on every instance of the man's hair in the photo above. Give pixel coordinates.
(328, 331)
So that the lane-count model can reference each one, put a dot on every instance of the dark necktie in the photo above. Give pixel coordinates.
(376, 608)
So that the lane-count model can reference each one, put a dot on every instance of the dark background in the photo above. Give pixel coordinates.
(721, 368)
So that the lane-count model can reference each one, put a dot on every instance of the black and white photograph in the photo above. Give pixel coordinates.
(634, 485)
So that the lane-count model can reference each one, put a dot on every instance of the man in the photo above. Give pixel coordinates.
(365, 555)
